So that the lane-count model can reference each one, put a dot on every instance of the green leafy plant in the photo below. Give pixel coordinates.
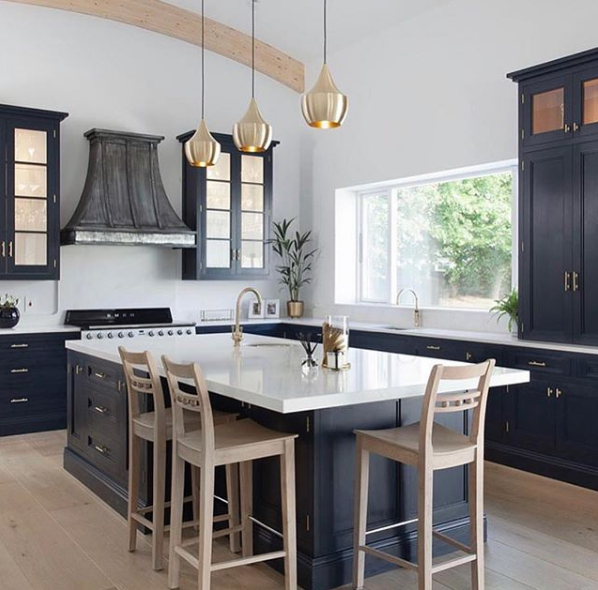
(8, 302)
(296, 256)
(507, 306)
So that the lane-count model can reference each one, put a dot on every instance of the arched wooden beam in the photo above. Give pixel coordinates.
(166, 19)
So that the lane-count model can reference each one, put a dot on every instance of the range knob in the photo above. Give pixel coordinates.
(131, 334)
(100, 336)
(110, 335)
(161, 333)
(89, 336)
(179, 332)
(150, 333)
(170, 333)
(121, 335)
(189, 331)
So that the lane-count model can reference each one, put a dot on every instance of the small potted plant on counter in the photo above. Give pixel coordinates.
(296, 257)
(9, 314)
(508, 306)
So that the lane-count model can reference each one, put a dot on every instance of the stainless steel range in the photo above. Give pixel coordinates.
(127, 323)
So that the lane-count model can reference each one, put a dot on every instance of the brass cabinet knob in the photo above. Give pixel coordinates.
(567, 128)
(549, 392)
(576, 127)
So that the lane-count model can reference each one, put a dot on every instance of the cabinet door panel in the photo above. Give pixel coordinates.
(585, 238)
(531, 416)
(546, 302)
(577, 416)
(495, 414)
(585, 98)
(547, 111)
(3, 198)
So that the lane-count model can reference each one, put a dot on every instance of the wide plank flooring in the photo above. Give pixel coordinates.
(56, 535)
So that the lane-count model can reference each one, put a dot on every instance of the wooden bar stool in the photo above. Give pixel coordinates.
(156, 427)
(430, 447)
(240, 442)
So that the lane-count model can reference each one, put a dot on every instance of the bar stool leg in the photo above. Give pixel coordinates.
(246, 469)
(232, 494)
(158, 502)
(476, 517)
(133, 504)
(206, 517)
(287, 487)
(362, 474)
(195, 494)
(176, 518)
(424, 539)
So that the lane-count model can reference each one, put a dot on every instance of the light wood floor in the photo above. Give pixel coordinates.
(55, 535)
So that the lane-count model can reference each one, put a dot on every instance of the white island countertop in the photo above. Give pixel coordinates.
(266, 371)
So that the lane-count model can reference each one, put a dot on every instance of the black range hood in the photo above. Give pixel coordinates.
(124, 201)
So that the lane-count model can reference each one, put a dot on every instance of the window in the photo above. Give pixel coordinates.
(450, 239)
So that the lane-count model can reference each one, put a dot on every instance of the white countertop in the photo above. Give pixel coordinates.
(24, 329)
(269, 375)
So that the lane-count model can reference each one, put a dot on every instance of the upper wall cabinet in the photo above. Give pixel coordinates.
(558, 205)
(559, 100)
(30, 193)
(230, 207)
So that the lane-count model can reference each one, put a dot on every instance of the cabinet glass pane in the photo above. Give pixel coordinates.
(218, 224)
(221, 171)
(31, 181)
(590, 101)
(252, 226)
(218, 254)
(252, 169)
(252, 254)
(252, 197)
(218, 195)
(30, 215)
(31, 249)
(548, 111)
(31, 146)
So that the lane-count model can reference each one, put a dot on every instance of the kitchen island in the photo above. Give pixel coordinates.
(263, 380)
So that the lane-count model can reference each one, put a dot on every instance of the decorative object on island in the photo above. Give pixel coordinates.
(272, 309)
(325, 106)
(335, 341)
(508, 306)
(252, 133)
(202, 150)
(237, 329)
(296, 263)
(416, 312)
(9, 313)
(309, 366)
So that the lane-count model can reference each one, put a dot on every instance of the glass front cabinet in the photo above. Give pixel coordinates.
(30, 181)
(230, 206)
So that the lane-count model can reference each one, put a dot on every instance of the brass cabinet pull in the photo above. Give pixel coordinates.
(558, 393)
(576, 127)
(536, 364)
(430, 347)
(102, 450)
(19, 345)
(575, 281)
(567, 128)
(10, 249)
(468, 356)
(100, 375)
(3, 249)
(78, 369)
(19, 370)
(567, 281)
(19, 400)
(101, 409)
(549, 391)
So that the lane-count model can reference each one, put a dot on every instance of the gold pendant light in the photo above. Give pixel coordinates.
(202, 150)
(252, 133)
(325, 106)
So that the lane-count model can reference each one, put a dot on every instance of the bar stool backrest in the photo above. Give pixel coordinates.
(474, 399)
(136, 365)
(198, 402)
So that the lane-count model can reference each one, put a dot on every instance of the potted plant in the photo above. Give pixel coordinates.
(508, 306)
(296, 260)
(9, 314)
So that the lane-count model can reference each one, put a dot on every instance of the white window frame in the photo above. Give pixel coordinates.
(390, 189)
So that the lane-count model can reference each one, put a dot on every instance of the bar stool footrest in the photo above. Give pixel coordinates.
(453, 542)
(386, 557)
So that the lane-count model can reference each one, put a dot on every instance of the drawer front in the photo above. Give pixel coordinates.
(27, 373)
(587, 368)
(34, 342)
(107, 454)
(106, 413)
(104, 375)
(442, 349)
(18, 403)
(540, 362)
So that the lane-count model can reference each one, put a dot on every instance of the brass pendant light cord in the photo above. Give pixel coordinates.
(253, 48)
(325, 31)
(203, 59)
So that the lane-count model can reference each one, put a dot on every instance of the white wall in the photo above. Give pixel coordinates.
(118, 77)
(427, 96)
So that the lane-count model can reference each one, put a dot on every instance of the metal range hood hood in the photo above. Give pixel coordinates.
(124, 201)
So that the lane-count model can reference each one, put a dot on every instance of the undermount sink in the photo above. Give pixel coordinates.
(395, 328)
(268, 345)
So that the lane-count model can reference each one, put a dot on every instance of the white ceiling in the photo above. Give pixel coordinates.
(295, 26)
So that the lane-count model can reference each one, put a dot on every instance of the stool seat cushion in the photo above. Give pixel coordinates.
(402, 444)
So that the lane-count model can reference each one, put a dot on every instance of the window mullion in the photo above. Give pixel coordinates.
(393, 241)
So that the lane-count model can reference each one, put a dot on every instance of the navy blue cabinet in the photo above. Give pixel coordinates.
(33, 382)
